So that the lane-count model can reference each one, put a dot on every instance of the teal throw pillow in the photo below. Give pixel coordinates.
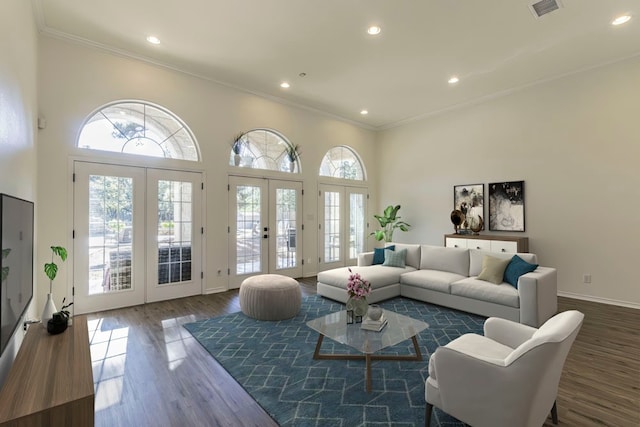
(378, 254)
(394, 258)
(516, 268)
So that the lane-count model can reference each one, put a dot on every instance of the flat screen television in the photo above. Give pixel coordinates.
(16, 263)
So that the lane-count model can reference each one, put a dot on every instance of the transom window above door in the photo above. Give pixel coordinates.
(265, 149)
(141, 128)
(342, 162)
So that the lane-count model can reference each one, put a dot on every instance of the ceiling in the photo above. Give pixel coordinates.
(493, 46)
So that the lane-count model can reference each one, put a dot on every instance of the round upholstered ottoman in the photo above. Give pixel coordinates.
(270, 297)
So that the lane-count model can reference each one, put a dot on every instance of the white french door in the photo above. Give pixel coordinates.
(174, 234)
(265, 226)
(342, 212)
(137, 235)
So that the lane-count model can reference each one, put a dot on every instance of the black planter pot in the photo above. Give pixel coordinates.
(57, 325)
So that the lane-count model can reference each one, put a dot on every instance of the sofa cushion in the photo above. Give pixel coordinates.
(394, 258)
(378, 275)
(516, 268)
(435, 280)
(413, 254)
(493, 269)
(471, 287)
(453, 260)
(378, 254)
(476, 256)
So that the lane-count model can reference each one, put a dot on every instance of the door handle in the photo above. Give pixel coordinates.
(266, 229)
(265, 236)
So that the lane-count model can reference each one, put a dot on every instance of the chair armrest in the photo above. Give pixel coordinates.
(365, 258)
(507, 332)
(538, 296)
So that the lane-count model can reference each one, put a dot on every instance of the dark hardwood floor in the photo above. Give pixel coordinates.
(149, 371)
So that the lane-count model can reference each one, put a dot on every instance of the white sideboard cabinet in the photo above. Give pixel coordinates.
(511, 244)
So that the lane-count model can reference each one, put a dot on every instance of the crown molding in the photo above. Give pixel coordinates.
(503, 93)
(59, 35)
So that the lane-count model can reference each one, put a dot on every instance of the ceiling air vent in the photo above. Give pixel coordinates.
(543, 7)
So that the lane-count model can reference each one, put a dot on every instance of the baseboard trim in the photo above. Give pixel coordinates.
(599, 299)
(214, 291)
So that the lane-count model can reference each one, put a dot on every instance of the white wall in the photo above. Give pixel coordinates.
(75, 80)
(18, 112)
(574, 141)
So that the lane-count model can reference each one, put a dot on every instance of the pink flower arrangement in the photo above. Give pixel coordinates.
(357, 287)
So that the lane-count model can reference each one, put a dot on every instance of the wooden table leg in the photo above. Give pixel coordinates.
(367, 357)
(416, 347)
(316, 353)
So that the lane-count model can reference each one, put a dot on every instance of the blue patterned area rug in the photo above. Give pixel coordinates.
(273, 361)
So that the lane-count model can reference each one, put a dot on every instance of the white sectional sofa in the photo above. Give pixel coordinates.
(448, 277)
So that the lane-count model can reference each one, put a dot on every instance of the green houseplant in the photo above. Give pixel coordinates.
(293, 154)
(60, 320)
(389, 222)
(236, 146)
(51, 270)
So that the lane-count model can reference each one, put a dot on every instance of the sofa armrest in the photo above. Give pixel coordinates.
(365, 258)
(507, 332)
(538, 296)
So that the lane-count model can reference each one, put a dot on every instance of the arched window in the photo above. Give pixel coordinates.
(265, 149)
(342, 162)
(136, 127)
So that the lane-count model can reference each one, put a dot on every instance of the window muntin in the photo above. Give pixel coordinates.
(264, 149)
(138, 128)
(342, 162)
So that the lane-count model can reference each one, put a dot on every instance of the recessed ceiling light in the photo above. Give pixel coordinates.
(153, 40)
(621, 20)
(453, 80)
(285, 85)
(374, 30)
(364, 112)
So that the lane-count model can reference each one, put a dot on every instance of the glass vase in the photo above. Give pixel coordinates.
(359, 307)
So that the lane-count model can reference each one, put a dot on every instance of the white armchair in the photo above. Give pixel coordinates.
(508, 377)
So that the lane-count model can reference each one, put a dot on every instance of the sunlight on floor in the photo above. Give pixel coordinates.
(108, 357)
(177, 339)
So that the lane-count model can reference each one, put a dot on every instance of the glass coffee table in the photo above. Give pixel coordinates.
(399, 328)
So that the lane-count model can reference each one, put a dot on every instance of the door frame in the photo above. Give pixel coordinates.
(345, 191)
(267, 244)
(127, 160)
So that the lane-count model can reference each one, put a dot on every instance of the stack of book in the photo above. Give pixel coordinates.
(374, 325)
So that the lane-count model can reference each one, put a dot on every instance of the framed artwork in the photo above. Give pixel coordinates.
(506, 206)
(469, 199)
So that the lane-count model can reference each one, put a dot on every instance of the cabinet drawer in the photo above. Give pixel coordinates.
(503, 246)
(453, 242)
(483, 245)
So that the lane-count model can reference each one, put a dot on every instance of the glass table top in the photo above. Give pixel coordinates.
(398, 329)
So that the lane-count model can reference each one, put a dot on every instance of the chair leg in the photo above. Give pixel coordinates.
(554, 413)
(427, 415)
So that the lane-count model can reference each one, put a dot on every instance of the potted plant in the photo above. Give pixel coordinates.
(236, 147)
(389, 221)
(51, 270)
(293, 154)
(60, 320)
